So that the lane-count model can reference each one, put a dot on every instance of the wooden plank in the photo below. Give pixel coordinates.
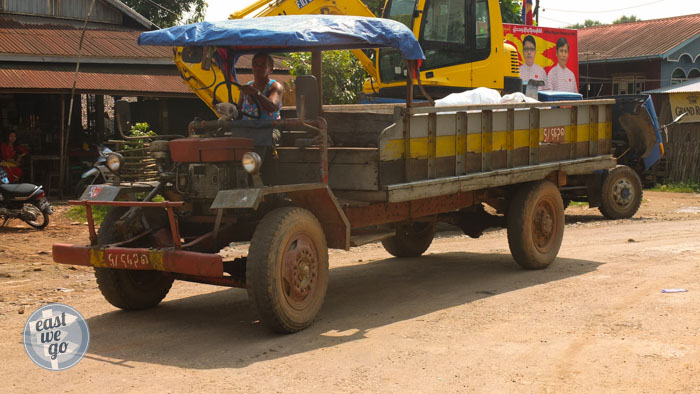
(406, 147)
(510, 137)
(534, 136)
(461, 124)
(593, 131)
(432, 144)
(496, 178)
(481, 107)
(486, 139)
(573, 137)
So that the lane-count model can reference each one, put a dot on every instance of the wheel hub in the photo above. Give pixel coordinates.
(299, 270)
(544, 225)
(622, 193)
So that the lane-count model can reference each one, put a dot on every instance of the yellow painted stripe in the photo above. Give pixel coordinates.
(393, 149)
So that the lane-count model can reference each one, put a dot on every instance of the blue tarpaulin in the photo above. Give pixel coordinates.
(292, 33)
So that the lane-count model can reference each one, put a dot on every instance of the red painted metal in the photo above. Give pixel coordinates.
(381, 213)
(168, 205)
(199, 150)
(167, 260)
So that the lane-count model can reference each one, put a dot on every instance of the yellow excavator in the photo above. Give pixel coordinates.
(462, 41)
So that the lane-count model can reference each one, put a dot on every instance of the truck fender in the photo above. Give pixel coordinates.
(317, 198)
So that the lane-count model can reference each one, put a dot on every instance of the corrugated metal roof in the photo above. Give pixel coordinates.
(122, 81)
(59, 78)
(692, 86)
(55, 40)
(58, 42)
(645, 39)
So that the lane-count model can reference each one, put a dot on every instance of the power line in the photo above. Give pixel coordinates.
(603, 12)
(162, 8)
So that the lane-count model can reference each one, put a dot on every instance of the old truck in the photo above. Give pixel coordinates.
(393, 173)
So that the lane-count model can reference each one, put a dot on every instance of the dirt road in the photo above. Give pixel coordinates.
(463, 318)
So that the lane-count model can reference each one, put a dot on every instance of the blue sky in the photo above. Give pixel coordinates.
(555, 13)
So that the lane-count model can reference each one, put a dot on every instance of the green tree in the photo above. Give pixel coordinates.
(166, 13)
(626, 19)
(343, 74)
(511, 11)
(375, 6)
(587, 23)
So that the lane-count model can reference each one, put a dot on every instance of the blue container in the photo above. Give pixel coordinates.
(549, 95)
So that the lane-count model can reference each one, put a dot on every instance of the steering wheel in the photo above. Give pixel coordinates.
(238, 107)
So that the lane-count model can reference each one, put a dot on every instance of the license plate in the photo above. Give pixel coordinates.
(128, 260)
(554, 135)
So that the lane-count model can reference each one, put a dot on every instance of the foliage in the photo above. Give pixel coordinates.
(590, 22)
(683, 187)
(375, 6)
(139, 130)
(166, 13)
(343, 74)
(511, 11)
(587, 23)
(626, 19)
(79, 214)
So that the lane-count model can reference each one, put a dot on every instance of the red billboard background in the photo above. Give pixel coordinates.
(546, 42)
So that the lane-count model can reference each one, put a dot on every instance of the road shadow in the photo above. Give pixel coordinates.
(219, 329)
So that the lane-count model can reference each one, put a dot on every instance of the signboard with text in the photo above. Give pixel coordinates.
(688, 103)
(546, 54)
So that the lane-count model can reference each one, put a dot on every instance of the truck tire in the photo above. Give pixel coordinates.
(128, 289)
(535, 224)
(621, 193)
(411, 240)
(287, 269)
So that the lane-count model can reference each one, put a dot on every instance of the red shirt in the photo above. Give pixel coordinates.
(10, 152)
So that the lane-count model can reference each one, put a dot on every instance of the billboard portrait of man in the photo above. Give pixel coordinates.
(560, 78)
(546, 54)
(530, 70)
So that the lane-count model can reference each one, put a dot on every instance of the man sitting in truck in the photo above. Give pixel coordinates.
(261, 91)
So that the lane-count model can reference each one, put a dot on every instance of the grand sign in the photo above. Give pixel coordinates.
(686, 102)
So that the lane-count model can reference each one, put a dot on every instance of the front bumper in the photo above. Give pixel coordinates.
(166, 260)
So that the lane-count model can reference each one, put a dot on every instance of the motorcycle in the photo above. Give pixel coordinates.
(97, 174)
(23, 201)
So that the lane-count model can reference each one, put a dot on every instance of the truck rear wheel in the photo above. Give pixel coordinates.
(287, 269)
(535, 224)
(621, 193)
(128, 289)
(411, 240)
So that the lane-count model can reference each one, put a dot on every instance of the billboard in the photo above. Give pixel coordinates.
(546, 54)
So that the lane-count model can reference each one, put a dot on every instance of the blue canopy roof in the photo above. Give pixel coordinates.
(292, 33)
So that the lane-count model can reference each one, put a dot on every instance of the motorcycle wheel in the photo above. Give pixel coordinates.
(42, 218)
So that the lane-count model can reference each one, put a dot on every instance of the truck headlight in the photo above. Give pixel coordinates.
(251, 162)
(115, 161)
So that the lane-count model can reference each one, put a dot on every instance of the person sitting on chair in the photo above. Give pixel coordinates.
(12, 153)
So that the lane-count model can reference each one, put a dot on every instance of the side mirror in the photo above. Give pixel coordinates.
(308, 102)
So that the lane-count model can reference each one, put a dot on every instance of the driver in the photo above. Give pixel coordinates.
(266, 91)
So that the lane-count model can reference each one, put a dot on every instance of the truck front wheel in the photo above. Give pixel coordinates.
(287, 269)
(535, 223)
(128, 289)
(621, 193)
(411, 240)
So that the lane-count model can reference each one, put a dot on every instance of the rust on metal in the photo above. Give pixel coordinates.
(381, 213)
(167, 260)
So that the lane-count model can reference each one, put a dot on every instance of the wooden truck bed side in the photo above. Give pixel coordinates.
(431, 143)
